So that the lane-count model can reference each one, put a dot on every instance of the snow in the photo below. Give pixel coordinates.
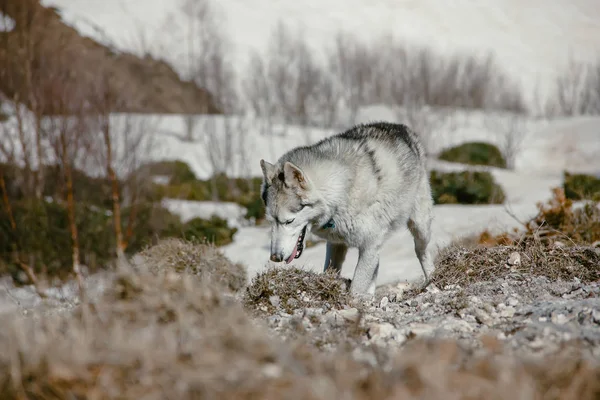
(187, 210)
(531, 38)
(7, 24)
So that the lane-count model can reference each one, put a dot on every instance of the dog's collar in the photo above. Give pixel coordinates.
(328, 224)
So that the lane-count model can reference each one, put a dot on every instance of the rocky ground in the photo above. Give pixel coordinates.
(529, 314)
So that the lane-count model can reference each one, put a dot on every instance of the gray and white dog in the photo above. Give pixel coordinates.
(353, 189)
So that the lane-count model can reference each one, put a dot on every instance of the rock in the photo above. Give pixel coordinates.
(350, 314)
(275, 301)
(483, 317)
(559, 319)
(514, 259)
(507, 312)
(272, 371)
(381, 331)
(383, 303)
(513, 301)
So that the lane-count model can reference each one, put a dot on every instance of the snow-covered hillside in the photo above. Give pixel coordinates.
(531, 38)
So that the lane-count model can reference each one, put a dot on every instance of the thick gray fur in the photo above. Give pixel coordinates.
(369, 181)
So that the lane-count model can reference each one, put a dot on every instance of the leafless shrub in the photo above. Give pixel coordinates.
(511, 133)
(428, 123)
(577, 90)
(291, 84)
(422, 77)
(288, 84)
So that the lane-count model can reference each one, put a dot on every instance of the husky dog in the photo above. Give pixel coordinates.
(352, 189)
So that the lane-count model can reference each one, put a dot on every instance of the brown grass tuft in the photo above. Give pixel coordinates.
(294, 288)
(463, 266)
(556, 220)
(201, 259)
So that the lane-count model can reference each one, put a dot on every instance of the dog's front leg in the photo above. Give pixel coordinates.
(365, 274)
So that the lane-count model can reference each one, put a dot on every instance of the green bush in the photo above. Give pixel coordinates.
(194, 191)
(86, 189)
(245, 192)
(178, 171)
(43, 234)
(214, 230)
(466, 187)
(581, 187)
(474, 153)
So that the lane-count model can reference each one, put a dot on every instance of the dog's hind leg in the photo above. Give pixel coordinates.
(335, 254)
(365, 274)
(419, 225)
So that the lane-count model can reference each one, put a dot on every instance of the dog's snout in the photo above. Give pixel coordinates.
(276, 257)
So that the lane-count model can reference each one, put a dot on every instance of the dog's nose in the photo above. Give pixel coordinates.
(276, 257)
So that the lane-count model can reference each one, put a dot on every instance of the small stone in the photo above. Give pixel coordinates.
(275, 301)
(543, 319)
(272, 371)
(513, 302)
(383, 303)
(507, 312)
(514, 259)
(596, 316)
(432, 289)
(559, 319)
(393, 297)
(381, 331)
(474, 300)
(350, 314)
(482, 317)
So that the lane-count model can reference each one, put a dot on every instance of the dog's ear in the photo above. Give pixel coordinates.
(294, 177)
(268, 170)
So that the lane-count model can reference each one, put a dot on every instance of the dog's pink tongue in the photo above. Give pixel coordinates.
(289, 260)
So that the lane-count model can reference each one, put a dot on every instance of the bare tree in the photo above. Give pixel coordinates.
(428, 123)
(577, 90)
(511, 133)
(288, 85)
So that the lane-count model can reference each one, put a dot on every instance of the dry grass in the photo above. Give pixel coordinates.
(201, 259)
(465, 265)
(560, 242)
(294, 287)
(556, 220)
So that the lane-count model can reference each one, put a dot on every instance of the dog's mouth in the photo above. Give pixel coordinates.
(299, 247)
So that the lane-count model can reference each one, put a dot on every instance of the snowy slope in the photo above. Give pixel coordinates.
(532, 38)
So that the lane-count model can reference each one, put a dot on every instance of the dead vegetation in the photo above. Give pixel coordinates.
(560, 242)
(557, 220)
(463, 266)
(290, 287)
(199, 259)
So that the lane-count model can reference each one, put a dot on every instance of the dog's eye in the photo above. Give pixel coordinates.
(289, 221)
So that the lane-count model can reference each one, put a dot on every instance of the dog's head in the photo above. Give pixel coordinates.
(291, 204)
